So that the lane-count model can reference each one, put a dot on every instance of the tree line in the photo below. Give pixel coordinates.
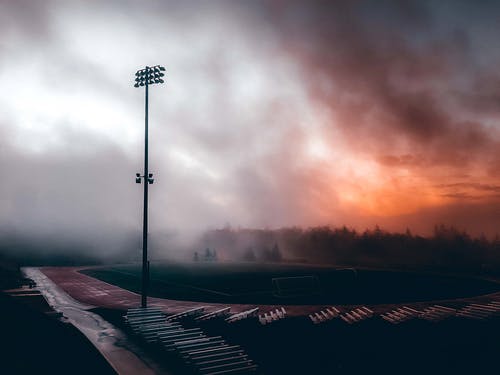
(448, 248)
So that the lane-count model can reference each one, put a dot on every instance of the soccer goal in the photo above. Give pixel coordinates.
(296, 286)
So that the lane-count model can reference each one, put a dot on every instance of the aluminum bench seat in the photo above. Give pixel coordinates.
(185, 347)
(409, 309)
(204, 352)
(146, 329)
(172, 335)
(491, 309)
(390, 318)
(216, 355)
(243, 315)
(170, 340)
(231, 358)
(332, 313)
(153, 336)
(138, 310)
(215, 314)
(146, 319)
(138, 327)
(226, 366)
(169, 333)
(139, 322)
(191, 312)
(242, 370)
(158, 327)
(197, 340)
(144, 312)
(346, 319)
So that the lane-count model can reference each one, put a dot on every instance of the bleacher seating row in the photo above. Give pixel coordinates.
(204, 354)
(211, 354)
(191, 312)
(433, 313)
(357, 315)
(243, 315)
(224, 312)
(272, 316)
(324, 315)
(400, 315)
(350, 317)
(480, 311)
(437, 313)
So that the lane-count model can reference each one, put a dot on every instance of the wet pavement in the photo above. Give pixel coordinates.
(113, 344)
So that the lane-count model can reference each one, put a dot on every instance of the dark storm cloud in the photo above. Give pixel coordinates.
(389, 70)
(467, 191)
(483, 94)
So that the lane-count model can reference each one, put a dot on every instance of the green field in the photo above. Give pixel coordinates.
(253, 283)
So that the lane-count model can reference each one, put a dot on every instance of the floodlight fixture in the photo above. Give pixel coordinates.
(149, 76)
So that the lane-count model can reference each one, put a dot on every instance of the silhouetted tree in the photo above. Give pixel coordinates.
(275, 254)
(249, 255)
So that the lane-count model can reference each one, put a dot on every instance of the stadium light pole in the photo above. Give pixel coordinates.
(145, 77)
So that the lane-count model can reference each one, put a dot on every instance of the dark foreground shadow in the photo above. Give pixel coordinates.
(33, 343)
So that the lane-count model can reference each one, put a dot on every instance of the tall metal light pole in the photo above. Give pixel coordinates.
(146, 77)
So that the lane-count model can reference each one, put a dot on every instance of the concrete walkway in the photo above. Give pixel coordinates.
(109, 340)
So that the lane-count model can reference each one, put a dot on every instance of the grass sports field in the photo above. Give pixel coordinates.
(274, 283)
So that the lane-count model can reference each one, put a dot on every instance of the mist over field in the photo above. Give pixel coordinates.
(273, 115)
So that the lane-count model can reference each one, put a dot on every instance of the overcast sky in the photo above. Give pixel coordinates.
(273, 113)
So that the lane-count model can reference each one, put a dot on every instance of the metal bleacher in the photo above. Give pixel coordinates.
(272, 316)
(400, 315)
(184, 335)
(243, 315)
(201, 353)
(324, 315)
(437, 313)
